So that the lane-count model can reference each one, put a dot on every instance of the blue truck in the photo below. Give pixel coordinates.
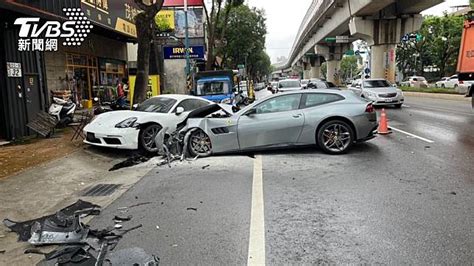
(216, 86)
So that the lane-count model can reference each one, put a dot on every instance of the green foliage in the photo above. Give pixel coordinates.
(438, 46)
(245, 41)
(349, 67)
(429, 90)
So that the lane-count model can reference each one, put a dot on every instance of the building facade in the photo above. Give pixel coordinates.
(91, 68)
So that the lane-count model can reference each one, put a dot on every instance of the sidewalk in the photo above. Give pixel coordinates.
(453, 97)
(17, 157)
(46, 188)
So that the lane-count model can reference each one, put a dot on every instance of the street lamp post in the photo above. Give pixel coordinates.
(186, 30)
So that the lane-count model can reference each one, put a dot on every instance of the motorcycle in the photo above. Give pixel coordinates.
(62, 110)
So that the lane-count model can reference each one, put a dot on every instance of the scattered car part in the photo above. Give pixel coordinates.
(58, 230)
(24, 229)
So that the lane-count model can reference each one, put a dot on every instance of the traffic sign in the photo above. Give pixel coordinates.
(330, 39)
(350, 52)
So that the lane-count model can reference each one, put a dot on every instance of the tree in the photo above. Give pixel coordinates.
(437, 45)
(444, 41)
(215, 27)
(349, 67)
(245, 38)
(145, 23)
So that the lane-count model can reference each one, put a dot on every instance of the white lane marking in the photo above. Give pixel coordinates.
(256, 255)
(412, 135)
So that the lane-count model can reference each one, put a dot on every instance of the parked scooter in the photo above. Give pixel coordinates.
(62, 110)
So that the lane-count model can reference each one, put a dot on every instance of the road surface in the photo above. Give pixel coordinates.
(405, 198)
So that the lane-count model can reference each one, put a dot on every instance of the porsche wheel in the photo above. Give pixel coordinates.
(199, 144)
(147, 138)
(335, 137)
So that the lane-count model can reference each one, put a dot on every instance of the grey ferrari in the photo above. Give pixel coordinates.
(333, 120)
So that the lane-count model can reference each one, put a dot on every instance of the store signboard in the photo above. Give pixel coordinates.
(180, 3)
(115, 14)
(179, 52)
(14, 70)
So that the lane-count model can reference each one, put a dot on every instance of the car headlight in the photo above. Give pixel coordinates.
(370, 95)
(227, 101)
(129, 122)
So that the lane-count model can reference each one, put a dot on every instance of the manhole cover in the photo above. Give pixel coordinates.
(100, 190)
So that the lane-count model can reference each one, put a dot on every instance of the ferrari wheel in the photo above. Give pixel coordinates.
(199, 144)
(335, 137)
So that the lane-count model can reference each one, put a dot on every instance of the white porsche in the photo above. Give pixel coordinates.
(138, 128)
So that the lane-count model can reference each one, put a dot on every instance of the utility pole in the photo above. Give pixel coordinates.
(186, 30)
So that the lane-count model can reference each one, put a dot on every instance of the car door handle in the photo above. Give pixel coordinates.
(297, 116)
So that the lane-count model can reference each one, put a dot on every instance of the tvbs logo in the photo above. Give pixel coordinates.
(45, 37)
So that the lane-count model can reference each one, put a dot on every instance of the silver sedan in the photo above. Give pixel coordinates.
(334, 120)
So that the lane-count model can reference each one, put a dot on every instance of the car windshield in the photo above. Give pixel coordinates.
(289, 84)
(157, 105)
(212, 88)
(376, 84)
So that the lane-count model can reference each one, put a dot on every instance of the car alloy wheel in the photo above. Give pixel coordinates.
(199, 144)
(147, 138)
(335, 137)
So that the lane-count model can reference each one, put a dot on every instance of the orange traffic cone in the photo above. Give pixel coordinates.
(383, 125)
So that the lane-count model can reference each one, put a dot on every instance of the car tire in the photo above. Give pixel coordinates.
(443, 86)
(147, 136)
(398, 106)
(334, 129)
(199, 144)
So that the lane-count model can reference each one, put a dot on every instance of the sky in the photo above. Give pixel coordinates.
(283, 21)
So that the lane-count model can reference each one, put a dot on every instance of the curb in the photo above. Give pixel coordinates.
(444, 96)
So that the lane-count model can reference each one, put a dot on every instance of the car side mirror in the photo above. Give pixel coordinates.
(179, 110)
(251, 112)
(135, 106)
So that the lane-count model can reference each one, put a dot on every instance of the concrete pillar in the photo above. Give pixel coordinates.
(383, 35)
(383, 61)
(333, 70)
(315, 72)
(306, 74)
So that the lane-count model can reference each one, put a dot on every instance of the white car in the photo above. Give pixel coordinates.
(441, 83)
(137, 129)
(379, 91)
(450, 82)
(415, 81)
(289, 85)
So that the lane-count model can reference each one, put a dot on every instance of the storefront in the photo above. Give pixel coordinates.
(82, 71)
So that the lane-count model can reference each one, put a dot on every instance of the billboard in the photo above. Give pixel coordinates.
(180, 3)
(115, 14)
(173, 21)
(195, 23)
(165, 21)
(179, 52)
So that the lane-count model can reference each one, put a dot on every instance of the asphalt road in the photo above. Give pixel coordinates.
(405, 198)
